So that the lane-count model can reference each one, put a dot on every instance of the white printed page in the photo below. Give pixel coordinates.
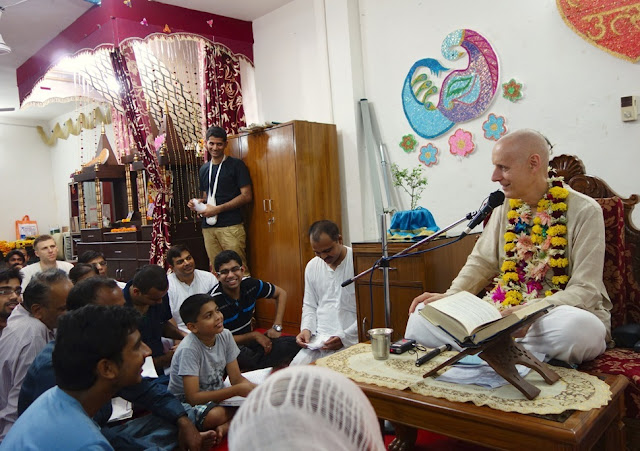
(255, 376)
(469, 310)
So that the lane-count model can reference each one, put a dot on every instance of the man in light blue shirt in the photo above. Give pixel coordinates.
(98, 351)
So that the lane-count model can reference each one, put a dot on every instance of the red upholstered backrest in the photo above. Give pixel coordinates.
(622, 258)
(616, 258)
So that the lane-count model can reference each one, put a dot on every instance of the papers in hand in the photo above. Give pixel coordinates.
(317, 342)
(255, 376)
(121, 409)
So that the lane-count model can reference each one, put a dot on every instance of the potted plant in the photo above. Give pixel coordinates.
(416, 222)
(413, 183)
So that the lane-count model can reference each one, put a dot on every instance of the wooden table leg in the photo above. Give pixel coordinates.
(405, 438)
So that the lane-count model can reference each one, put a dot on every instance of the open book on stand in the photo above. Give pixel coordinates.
(470, 320)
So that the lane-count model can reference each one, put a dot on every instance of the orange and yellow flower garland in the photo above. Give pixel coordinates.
(534, 245)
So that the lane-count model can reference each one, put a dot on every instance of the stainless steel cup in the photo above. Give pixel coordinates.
(380, 342)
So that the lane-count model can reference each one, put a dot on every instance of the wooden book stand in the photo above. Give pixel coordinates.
(502, 353)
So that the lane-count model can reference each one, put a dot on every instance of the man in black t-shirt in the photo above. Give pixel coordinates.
(236, 298)
(226, 187)
(147, 293)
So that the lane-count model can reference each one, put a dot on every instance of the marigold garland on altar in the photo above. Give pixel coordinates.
(535, 243)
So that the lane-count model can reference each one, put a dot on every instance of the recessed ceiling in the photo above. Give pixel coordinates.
(27, 25)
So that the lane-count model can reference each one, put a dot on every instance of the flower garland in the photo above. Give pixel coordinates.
(534, 245)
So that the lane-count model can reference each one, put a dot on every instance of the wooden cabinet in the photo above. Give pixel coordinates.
(124, 251)
(295, 174)
(408, 278)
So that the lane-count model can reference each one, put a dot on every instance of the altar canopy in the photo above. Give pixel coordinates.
(145, 75)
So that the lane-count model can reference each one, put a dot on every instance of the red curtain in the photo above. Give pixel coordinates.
(223, 94)
(137, 113)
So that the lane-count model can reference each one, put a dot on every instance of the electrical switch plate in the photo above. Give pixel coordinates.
(628, 108)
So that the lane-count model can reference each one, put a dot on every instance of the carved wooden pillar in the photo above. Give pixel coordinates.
(142, 200)
(99, 202)
(83, 218)
(127, 177)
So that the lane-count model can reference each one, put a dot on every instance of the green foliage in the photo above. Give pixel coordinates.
(413, 182)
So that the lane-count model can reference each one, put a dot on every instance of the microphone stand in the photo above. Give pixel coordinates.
(384, 261)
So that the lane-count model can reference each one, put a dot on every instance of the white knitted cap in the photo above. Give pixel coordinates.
(306, 407)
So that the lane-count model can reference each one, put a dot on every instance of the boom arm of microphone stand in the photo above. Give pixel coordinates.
(467, 217)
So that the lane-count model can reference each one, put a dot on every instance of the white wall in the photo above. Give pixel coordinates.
(27, 180)
(572, 89)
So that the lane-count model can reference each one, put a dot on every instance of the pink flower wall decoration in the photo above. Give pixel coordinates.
(461, 143)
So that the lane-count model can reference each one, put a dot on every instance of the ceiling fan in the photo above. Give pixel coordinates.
(4, 48)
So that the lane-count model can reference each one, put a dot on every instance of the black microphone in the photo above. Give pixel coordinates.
(433, 353)
(495, 200)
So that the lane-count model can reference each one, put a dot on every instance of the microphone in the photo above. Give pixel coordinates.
(495, 200)
(433, 353)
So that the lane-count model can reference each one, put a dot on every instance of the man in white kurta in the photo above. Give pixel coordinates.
(578, 328)
(329, 319)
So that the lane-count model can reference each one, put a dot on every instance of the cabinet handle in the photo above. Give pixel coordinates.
(264, 205)
(117, 252)
(270, 209)
(364, 326)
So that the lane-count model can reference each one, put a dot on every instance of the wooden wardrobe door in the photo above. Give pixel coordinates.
(284, 253)
(254, 153)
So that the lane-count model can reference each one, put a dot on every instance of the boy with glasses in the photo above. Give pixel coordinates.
(236, 297)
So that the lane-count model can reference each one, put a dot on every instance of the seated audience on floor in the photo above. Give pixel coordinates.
(98, 261)
(202, 361)
(236, 297)
(98, 352)
(82, 271)
(185, 280)
(29, 328)
(16, 258)
(10, 293)
(306, 407)
(147, 293)
(168, 421)
(554, 248)
(46, 250)
(328, 310)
